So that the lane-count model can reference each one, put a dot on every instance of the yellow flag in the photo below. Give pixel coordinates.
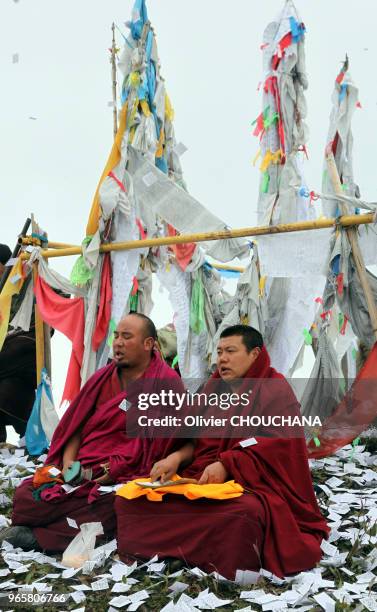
(10, 288)
(113, 160)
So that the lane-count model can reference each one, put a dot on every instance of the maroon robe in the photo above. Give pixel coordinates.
(102, 422)
(276, 524)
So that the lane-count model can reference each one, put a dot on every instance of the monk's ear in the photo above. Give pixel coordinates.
(256, 351)
(149, 344)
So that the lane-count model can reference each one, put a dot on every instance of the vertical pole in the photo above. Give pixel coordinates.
(39, 329)
(39, 334)
(356, 251)
(114, 82)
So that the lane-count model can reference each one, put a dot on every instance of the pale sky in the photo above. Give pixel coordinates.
(211, 60)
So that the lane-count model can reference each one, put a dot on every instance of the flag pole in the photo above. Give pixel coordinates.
(353, 240)
(39, 326)
(260, 230)
(114, 82)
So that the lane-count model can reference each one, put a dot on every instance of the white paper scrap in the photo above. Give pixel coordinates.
(178, 587)
(88, 567)
(275, 606)
(100, 585)
(72, 523)
(125, 405)
(180, 149)
(370, 603)
(134, 606)
(80, 587)
(22, 570)
(366, 578)
(246, 577)
(248, 442)
(121, 587)
(78, 596)
(328, 549)
(138, 596)
(54, 471)
(326, 602)
(156, 567)
(69, 573)
(149, 179)
(119, 570)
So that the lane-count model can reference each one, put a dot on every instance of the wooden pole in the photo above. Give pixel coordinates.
(39, 334)
(114, 82)
(39, 327)
(31, 241)
(353, 240)
(345, 221)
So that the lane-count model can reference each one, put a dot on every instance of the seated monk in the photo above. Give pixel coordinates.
(93, 432)
(276, 523)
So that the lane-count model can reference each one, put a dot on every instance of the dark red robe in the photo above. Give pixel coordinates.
(102, 422)
(276, 524)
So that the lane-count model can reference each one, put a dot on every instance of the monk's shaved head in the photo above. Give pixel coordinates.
(134, 341)
(148, 325)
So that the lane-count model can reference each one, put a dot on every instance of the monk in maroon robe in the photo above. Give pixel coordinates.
(276, 524)
(93, 431)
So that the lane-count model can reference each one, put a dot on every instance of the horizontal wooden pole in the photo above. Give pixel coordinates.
(31, 241)
(345, 221)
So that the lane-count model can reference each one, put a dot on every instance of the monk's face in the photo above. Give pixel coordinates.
(131, 347)
(233, 359)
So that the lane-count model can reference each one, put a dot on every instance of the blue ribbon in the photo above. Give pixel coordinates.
(297, 29)
(224, 273)
(137, 26)
(343, 91)
(304, 192)
(335, 265)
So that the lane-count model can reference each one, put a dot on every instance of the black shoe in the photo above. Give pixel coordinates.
(20, 536)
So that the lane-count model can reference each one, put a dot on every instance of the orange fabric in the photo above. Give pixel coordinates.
(42, 476)
(183, 252)
(226, 490)
(114, 159)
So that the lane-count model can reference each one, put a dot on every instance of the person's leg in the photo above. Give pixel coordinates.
(48, 520)
(220, 536)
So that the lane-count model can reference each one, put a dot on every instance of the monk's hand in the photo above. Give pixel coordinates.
(66, 466)
(215, 473)
(166, 468)
(106, 478)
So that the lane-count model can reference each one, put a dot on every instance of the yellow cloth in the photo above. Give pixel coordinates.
(160, 144)
(8, 291)
(113, 160)
(271, 158)
(145, 108)
(226, 490)
(169, 111)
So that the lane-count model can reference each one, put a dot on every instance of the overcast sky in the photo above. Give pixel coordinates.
(211, 60)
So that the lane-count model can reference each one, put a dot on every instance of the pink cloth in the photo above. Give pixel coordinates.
(67, 316)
